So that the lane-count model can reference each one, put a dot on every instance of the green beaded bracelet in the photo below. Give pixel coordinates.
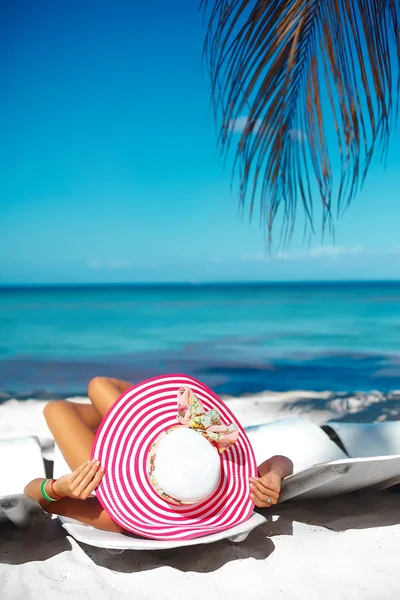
(43, 492)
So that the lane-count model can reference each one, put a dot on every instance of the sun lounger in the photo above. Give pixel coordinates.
(367, 439)
(321, 467)
(362, 456)
(20, 461)
(116, 541)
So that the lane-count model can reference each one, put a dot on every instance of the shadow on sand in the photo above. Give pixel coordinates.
(45, 537)
(42, 540)
(355, 511)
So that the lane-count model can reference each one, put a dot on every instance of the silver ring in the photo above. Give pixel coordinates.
(269, 501)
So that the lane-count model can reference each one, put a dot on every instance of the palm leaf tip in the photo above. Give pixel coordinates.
(311, 87)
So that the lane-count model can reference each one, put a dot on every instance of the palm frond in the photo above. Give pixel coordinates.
(298, 69)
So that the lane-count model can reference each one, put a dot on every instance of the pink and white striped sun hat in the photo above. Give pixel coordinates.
(177, 463)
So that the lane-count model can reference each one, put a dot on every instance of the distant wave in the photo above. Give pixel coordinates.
(319, 371)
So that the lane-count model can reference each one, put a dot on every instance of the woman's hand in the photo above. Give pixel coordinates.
(265, 490)
(81, 483)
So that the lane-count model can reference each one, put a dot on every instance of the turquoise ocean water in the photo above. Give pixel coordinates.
(236, 338)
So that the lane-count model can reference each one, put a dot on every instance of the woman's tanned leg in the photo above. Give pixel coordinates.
(71, 433)
(73, 425)
(104, 391)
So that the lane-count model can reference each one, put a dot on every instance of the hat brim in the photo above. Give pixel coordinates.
(122, 443)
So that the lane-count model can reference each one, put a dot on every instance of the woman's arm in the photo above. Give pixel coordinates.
(280, 464)
(266, 488)
(75, 503)
(33, 490)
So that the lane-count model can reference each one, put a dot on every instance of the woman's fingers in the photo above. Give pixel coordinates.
(77, 480)
(78, 470)
(257, 501)
(85, 478)
(261, 500)
(260, 490)
(89, 475)
(264, 488)
(261, 495)
(93, 484)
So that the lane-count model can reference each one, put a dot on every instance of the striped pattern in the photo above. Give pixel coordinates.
(122, 444)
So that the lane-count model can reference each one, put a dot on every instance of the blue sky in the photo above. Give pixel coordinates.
(109, 165)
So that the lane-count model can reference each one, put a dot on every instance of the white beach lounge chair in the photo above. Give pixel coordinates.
(321, 469)
(20, 461)
(367, 439)
(116, 541)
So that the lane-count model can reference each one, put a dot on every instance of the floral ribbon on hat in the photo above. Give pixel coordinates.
(192, 413)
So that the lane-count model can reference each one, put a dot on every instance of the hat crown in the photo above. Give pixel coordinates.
(187, 465)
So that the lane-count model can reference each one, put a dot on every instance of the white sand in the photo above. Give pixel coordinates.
(346, 548)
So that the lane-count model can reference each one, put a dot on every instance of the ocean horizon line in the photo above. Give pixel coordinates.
(200, 284)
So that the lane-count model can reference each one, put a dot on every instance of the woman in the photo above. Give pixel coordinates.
(73, 427)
